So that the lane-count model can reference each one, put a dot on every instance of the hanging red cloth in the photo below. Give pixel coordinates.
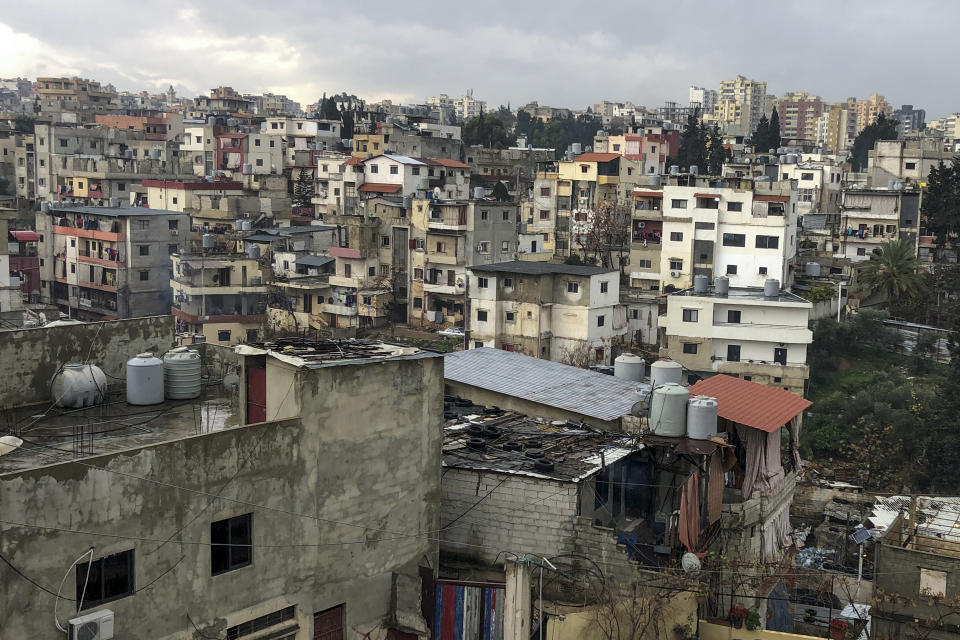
(689, 524)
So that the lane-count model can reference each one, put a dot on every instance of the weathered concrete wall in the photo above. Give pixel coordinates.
(31, 357)
(898, 578)
(362, 466)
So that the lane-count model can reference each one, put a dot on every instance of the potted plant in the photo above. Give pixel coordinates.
(737, 615)
(838, 629)
(753, 621)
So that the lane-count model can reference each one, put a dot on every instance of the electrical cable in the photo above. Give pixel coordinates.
(56, 620)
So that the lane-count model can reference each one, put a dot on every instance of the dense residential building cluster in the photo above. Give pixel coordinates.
(405, 382)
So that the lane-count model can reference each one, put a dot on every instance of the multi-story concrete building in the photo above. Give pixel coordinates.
(910, 120)
(254, 545)
(818, 184)
(468, 107)
(703, 98)
(25, 169)
(108, 262)
(908, 160)
(837, 128)
(948, 125)
(744, 229)
(751, 95)
(869, 217)
(218, 204)
(11, 301)
(161, 126)
(799, 112)
(868, 110)
(565, 313)
(75, 100)
(741, 333)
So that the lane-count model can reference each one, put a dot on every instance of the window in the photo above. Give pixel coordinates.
(200, 138)
(41, 181)
(371, 271)
(415, 171)
(223, 335)
(394, 169)
(544, 214)
(418, 303)
(484, 215)
(691, 315)
(733, 353)
(373, 168)
(604, 286)
(768, 242)
(481, 315)
(441, 247)
(478, 344)
(483, 283)
(708, 203)
(252, 335)
(806, 176)
(173, 224)
(172, 248)
(861, 251)
(583, 168)
(733, 317)
(676, 265)
(63, 142)
(385, 270)
(734, 206)
(483, 247)
(777, 379)
(545, 192)
(368, 300)
(507, 283)
(763, 271)
(73, 268)
(231, 542)
(419, 243)
(734, 240)
(263, 622)
(709, 226)
(678, 204)
(384, 241)
(505, 245)
(634, 314)
(676, 236)
(600, 320)
(933, 583)
(690, 347)
(143, 249)
(259, 162)
(73, 242)
(573, 287)
(111, 578)
(732, 269)
(511, 316)
(506, 216)
(144, 275)
(910, 165)
(645, 264)
(272, 143)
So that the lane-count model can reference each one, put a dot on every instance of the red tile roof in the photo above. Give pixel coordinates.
(761, 198)
(648, 194)
(446, 162)
(25, 235)
(380, 187)
(751, 404)
(354, 160)
(596, 157)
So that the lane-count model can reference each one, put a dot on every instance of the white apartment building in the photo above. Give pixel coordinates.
(870, 217)
(818, 185)
(565, 313)
(705, 98)
(746, 231)
(741, 333)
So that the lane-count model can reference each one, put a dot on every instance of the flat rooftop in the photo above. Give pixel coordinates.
(64, 435)
(575, 450)
(115, 212)
(743, 293)
(306, 352)
(540, 268)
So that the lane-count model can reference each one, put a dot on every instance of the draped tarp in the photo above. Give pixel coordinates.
(689, 525)
(763, 472)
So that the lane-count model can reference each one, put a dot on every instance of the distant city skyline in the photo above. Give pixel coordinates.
(506, 53)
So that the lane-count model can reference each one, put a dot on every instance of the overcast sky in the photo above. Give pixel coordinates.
(561, 53)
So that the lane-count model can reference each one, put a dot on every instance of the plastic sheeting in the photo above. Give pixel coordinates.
(689, 524)
(776, 533)
(764, 474)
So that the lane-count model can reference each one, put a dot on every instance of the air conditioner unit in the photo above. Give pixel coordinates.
(674, 274)
(174, 232)
(93, 626)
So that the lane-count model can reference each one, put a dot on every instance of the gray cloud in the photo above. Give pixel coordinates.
(561, 53)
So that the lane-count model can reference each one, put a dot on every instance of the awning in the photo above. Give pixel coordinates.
(711, 196)
(751, 404)
(762, 198)
(379, 187)
(313, 261)
(648, 194)
(205, 264)
(25, 236)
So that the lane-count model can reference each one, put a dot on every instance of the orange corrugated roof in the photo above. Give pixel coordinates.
(712, 196)
(648, 194)
(761, 198)
(446, 162)
(751, 404)
(354, 160)
(596, 157)
(380, 187)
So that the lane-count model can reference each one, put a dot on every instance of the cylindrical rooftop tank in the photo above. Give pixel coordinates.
(701, 417)
(208, 241)
(478, 193)
(694, 169)
(668, 410)
(576, 148)
(144, 379)
(700, 283)
(79, 385)
(114, 202)
(253, 250)
(629, 367)
(674, 169)
(181, 374)
(771, 288)
(238, 224)
(664, 371)
(812, 269)
(245, 224)
(247, 168)
(721, 286)
(211, 120)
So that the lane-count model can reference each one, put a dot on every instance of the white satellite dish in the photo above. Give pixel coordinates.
(9, 443)
(690, 563)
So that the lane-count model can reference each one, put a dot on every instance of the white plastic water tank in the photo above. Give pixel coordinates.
(771, 288)
(79, 385)
(701, 417)
(629, 367)
(144, 379)
(721, 286)
(181, 374)
(664, 371)
(700, 284)
(668, 410)
(812, 269)
(245, 224)
(208, 240)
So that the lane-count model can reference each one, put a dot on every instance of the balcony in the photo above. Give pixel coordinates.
(223, 318)
(100, 258)
(447, 222)
(93, 234)
(768, 368)
(444, 258)
(760, 332)
(339, 309)
(608, 179)
(254, 285)
(446, 289)
(99, 287)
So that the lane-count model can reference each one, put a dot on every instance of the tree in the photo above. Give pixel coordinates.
(883, 128)
(692, 150)
(941, 201)
(717, 154)
(773, 134)
(893, 272)
(24, 123)
(605, 232)
(303, 189)
(761, 136)
(486, 130)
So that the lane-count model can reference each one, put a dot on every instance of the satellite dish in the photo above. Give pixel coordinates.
(9, 443)
(690, 563)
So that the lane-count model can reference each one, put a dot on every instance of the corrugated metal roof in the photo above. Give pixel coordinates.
(751, 404)
(766, 198)
(446, 162)
(579, 391)
(314, 261)
(380, 187)
(596, 157)
(25, 235)
(539, 268)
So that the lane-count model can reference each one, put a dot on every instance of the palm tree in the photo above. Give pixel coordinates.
(893, 272)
